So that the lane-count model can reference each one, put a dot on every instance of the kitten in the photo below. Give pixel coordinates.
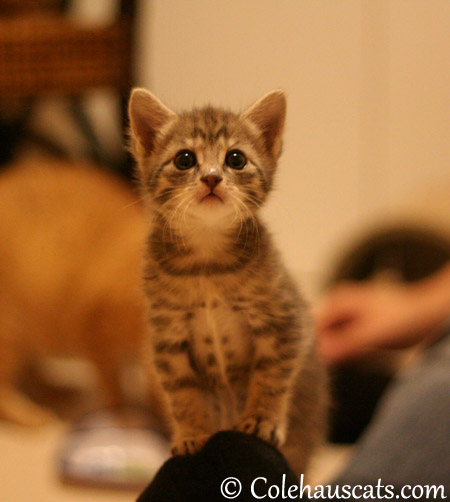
(229, 333)
(71, 241)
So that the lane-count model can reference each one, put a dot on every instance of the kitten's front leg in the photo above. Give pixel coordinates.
(275, 367)
(182, 387)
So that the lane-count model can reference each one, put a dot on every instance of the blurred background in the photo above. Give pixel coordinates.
(364, 181)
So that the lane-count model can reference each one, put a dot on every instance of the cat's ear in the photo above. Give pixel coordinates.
(268, 115)
(148, 115)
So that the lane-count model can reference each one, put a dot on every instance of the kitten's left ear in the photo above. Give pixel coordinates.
(268, 115)
(148, 115)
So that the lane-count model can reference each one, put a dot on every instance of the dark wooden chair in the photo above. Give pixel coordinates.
(43, 52)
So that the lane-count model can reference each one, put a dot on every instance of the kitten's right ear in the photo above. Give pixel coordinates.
(148, 115)
(268, 115)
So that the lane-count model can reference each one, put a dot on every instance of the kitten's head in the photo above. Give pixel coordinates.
(209, 164)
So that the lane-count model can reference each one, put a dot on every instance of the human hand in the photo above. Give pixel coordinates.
(358, 318)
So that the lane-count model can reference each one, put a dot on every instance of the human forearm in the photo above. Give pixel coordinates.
(359, 317)
(431, 297)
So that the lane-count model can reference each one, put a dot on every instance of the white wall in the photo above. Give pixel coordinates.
(419, 98)
(368, 103)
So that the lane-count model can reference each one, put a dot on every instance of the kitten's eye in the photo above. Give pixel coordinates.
(235, 159)
(185, 160)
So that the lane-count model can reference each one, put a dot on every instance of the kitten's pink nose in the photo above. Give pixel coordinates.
(211, 179)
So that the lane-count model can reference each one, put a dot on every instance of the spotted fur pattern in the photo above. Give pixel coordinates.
(229, 332)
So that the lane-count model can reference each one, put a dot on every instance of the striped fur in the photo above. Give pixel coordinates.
(229, 332)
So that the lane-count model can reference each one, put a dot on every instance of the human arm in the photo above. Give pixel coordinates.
(357, 318)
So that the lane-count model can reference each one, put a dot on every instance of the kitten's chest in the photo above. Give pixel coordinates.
(220, 342)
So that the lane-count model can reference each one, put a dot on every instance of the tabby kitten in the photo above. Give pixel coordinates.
(228, 330)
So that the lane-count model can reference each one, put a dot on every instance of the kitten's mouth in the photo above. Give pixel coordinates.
(211, 197)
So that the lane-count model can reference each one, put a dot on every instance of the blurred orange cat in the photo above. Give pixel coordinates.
(71, 240)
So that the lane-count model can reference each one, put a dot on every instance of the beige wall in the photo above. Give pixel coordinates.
(368, 102)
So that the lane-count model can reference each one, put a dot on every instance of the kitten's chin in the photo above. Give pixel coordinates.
(215, 200)
(211, 199)
(212, 207)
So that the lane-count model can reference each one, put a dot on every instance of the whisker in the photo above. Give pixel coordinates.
(251, 216)
(178, 192)
(174, 213)
(243, 220)
(171, 219)
(139, 200)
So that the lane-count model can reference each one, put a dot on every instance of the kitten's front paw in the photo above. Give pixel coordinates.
(189, 445)
(263, 428)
